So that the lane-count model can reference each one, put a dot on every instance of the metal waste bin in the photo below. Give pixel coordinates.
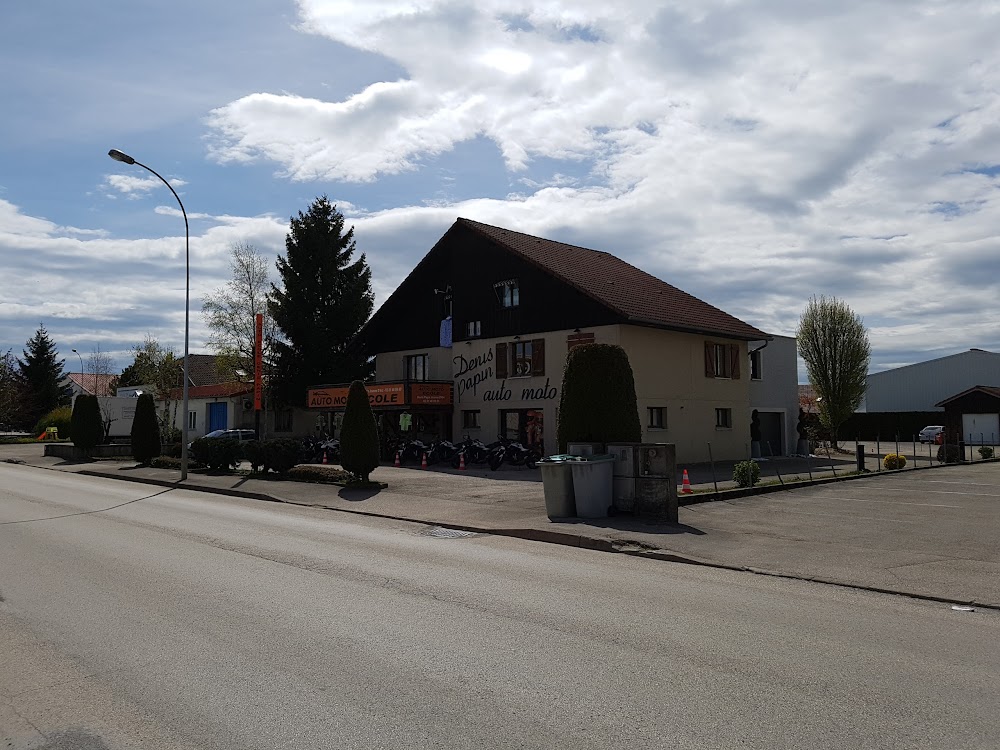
(557, 483)
(592, 485)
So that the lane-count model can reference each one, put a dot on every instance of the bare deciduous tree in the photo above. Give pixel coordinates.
(833, 342)
(230, 312)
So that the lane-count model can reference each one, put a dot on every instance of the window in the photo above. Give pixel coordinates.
(470, 419)
(656, 417)
(416, 367)
(724, 419)
(473, 329)
(722, 360)
(508, 293)
(755, 371)
(283, 420)
(520, 359)
(192, 420)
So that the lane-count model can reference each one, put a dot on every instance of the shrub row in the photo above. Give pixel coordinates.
(220, 454)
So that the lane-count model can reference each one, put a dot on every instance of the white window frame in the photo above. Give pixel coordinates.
(474, 329)
(661, 413)
(466, 414)
(723, 418)
(757, 364)
(192, 420)
(411, 374)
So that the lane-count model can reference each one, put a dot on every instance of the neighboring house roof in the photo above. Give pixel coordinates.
(216, 390)
(91, 383)
(989, 390)
(203, 369)
(634, 294)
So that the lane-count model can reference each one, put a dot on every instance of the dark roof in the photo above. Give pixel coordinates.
(639, 297)
(989, 390)
(203, 369)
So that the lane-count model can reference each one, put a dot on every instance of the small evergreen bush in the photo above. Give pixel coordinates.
(253, 453)
(218, 454)
(985, 452)
(359, 452)
(746, 473)
(86, 423)
(598, 403)
(949, 454)
(145, 430)
(279, 455)
(893, 461)
(61, 418)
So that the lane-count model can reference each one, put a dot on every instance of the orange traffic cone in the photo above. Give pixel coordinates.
(397, 464)
(423, 462)
(461, 461)
(686, 484)
(324, 456)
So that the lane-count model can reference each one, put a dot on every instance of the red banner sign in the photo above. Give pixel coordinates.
(258, 363)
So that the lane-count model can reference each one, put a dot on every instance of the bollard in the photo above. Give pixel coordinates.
(860, 452)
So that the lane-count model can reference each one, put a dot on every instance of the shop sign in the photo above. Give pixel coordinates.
(380, 394)
(430, 394)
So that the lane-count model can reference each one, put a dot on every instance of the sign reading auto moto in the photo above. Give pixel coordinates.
(383, 394)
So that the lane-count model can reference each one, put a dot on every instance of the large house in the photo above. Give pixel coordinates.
(474, 342)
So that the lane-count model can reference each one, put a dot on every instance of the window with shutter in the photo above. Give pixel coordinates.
(501, 361)
(538, 357)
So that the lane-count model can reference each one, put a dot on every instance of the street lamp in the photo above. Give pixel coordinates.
(126, 159)
(82, 371)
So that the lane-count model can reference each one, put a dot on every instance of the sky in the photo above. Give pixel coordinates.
(753, 153)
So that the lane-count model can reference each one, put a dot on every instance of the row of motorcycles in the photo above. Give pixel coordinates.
(316, 447)
(473, 451)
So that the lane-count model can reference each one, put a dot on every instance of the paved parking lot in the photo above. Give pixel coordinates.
(934, 532)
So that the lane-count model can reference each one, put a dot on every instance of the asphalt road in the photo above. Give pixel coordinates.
(187, 620)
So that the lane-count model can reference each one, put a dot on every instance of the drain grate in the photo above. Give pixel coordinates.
(442, 533)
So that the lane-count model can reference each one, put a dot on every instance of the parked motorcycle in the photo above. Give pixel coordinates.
(512, 452)
(442, 450)
(474, 452)
(414, 450)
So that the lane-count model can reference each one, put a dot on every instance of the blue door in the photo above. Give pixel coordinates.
(217, 416)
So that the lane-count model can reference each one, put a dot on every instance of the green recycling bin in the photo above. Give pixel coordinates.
(557, 483)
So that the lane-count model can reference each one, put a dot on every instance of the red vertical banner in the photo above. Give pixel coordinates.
(258, 363)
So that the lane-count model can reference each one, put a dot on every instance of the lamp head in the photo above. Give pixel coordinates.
(120, 156)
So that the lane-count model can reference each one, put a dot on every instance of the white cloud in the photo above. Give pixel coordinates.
(133, 186)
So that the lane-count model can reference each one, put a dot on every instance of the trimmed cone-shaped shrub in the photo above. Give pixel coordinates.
(86, 425)
(598, 402)
(359, 434)
(145, 430)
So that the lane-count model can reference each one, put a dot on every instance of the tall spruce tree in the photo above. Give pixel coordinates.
(41, 373)
(324, 299)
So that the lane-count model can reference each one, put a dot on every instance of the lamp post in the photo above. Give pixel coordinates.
(126, 159)
(82, 371)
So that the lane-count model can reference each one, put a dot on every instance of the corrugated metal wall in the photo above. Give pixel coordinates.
(918, 387)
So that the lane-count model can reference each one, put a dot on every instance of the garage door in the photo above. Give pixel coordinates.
(981, 429)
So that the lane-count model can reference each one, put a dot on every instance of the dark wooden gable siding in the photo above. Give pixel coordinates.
(472, 264)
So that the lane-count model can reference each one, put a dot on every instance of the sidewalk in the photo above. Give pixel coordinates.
(842, 533)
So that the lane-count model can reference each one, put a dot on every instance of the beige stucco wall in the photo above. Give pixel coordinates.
(669, 372)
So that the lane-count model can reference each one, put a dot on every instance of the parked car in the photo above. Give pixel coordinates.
(929, 434)
(241, 435)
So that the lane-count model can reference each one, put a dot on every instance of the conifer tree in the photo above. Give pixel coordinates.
(145, 430)
(41, 373)
(359, 434)
(323, 300)
(86, 424)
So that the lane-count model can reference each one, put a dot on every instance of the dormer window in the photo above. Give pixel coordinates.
(508, 293)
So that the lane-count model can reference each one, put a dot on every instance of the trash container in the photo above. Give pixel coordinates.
(592, 485)
(557, 484)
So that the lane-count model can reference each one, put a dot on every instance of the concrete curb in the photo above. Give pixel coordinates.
(597, 544)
